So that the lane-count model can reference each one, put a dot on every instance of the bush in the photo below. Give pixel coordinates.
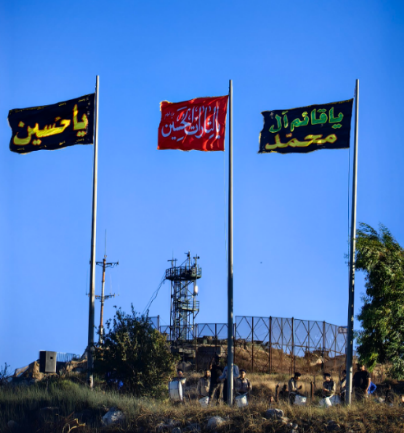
(134, 356)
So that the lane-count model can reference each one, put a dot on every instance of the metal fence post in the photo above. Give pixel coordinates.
(308, 345)
(281, 352)
(252, 344)
(234, 343)
(216, 337)
(293, 344)
(324, 340)
(335, 346)
(270, 343)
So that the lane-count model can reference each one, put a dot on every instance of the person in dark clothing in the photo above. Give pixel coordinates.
(328, 386)
(242, 384)
(361, 382)
(342, 386)
(293, 387)
(215, 390)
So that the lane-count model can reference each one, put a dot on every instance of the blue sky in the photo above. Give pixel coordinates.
(290, 211)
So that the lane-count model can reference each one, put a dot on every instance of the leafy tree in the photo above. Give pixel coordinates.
(134, 354)
(382, 315)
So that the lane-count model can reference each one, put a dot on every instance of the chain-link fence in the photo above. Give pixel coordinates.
(271, 344)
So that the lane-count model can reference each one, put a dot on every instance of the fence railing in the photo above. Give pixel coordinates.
(272, 344)
(67, 357)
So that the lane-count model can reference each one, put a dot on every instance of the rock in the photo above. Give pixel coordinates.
(113, 416)
(215, 422)
(332, 426)
(274, 414)
(12, 425)
(176, 430)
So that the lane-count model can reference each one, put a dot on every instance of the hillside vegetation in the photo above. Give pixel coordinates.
(63, 405)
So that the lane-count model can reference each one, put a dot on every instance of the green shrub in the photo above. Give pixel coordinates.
(134, 356)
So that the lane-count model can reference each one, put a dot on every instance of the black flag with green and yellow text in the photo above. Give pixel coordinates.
(53, 126)
(305, 129)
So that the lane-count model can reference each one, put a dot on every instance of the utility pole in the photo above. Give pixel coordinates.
(103, 297)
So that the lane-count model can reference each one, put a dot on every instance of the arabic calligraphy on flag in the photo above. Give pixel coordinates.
(53, 126)
(305, 129)
(198, 124)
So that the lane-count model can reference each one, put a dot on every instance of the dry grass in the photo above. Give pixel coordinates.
(143, 415)
(372, 418)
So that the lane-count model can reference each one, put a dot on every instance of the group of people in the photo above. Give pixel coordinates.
(213, 384)
(218, 381)
(361, 384)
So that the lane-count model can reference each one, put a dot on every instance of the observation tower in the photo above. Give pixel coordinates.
(184, 306)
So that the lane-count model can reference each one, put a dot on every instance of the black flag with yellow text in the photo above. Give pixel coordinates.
(53, 126)
(305, 129)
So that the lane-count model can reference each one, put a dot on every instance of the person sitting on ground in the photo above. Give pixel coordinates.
(328, 390)
(243, 385)
(180, 377)
(328, 386)
(293, 388)
(361, 382)
(215, 390)
(203, 385)
(342, 386)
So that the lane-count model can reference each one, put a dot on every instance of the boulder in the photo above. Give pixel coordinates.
(215, 422)
(113, 416)
(12, 425)
(332, 426)
(274, 414)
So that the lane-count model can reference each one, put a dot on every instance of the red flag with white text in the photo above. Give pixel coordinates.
(198, 124)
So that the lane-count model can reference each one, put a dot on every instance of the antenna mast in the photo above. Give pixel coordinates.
(103, 297)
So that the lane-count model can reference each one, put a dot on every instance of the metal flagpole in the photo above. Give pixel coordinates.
(230, 258)
(90, 347)
(349, 351)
